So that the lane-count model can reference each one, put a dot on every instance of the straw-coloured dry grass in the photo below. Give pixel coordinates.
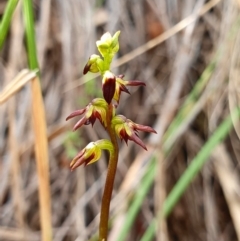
(187, 52)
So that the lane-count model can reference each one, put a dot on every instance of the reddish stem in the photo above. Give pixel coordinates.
(112, 167)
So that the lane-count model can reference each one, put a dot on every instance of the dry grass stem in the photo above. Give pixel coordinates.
(41, 150)
(16, 235)
(17, 190)
(17, 182)
(16, 84)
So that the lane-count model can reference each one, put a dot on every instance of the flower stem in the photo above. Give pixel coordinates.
(112, 167)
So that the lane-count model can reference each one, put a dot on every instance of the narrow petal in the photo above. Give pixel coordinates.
(76, 113)
(144, 128)
(135, 83)
(82, 160)
(77, 159)
(137, 140)
(80, 123)
(80, 154)
(124, 88)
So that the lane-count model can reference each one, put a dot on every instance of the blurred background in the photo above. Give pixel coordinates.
(185, 52)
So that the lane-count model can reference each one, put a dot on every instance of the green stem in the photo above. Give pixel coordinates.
(30, 34)
(6, 20)
(112, 167)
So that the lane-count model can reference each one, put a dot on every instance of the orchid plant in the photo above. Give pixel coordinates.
(104, 109)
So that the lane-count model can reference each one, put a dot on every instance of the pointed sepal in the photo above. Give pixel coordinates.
(128, 130)
(91, 153)
(97, 109)
(121, 86)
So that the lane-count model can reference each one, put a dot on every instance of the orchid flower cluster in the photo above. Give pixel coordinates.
(104, 109)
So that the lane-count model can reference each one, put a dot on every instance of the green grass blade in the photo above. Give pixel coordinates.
(193, 170)
(40, 129)
(191, 99)
(30, 34)
(6, 20)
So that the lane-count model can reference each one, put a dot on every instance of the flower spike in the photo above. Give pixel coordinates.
(95, 110)
(104, 109)
(128, 130)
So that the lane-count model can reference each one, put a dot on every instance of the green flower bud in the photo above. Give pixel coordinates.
(94, 64)
(108, 45)
(91, 153)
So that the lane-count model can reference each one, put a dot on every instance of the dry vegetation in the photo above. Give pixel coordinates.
(170, 55)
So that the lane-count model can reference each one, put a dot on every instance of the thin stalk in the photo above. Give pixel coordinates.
(40, 128)
(30, 34)
(6, 20)
(112, 167)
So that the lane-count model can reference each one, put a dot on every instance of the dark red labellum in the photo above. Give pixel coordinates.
(109, 89)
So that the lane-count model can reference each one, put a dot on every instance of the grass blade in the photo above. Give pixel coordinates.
(6, 20)
(16, 84)
(30, 34)
(40, 129)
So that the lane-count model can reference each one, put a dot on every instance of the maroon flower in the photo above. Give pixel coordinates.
(128, 130)
(91, 153)
(95, 110)
(121, 86)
